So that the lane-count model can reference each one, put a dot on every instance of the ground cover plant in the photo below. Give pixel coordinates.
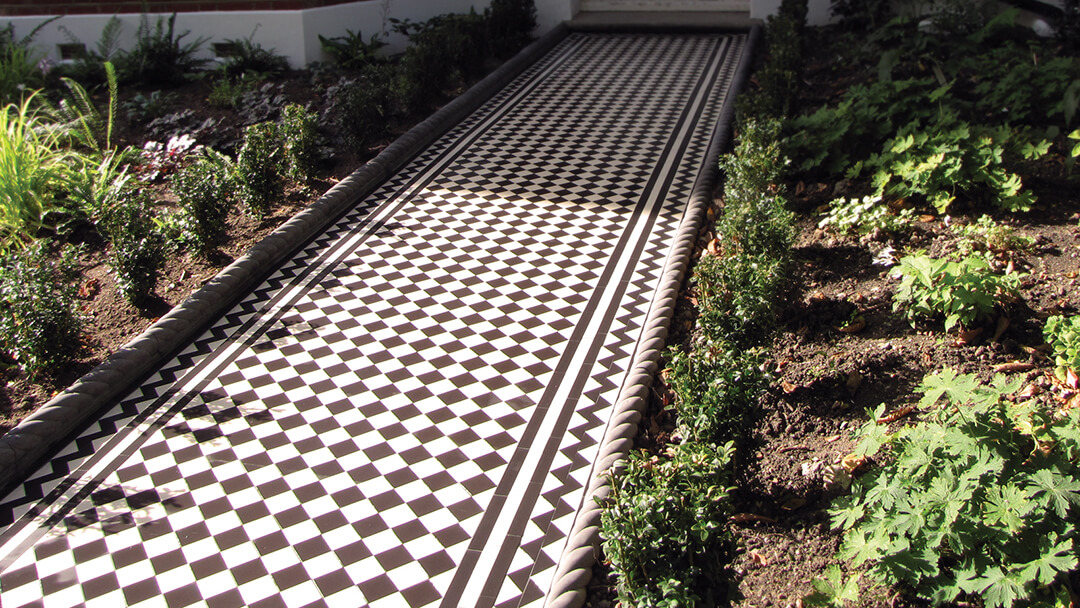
(123, 191)
(911, 395)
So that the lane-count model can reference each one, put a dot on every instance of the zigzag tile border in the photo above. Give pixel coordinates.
(410, 410)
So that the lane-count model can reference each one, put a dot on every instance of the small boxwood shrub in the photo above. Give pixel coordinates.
(136, 246)
(300, 137)
(716, 390)
(259, 168)
(665, 527)
(206, 190)
(40, 319)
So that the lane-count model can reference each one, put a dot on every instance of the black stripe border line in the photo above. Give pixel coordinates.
(31, 442)
(574, 571)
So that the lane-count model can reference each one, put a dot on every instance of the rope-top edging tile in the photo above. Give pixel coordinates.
(27, 445)
(568, 589)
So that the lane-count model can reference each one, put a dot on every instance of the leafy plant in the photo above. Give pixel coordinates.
(1063, 333)
(947, 160)
(716, 387)
(95, 187)
(259, 167)
(40, 324)
(860, 216)
(443, 51)
(80, 118)
(365, 105)
(964, 292)
(143, 107)
(247, 57)
(136, 246)
(833, 591)
(352, 52)
(737, 296)
(88, 67)
(300, 137)
(227, 93)
(986, 235)
(34, 168)
(665, 527)
(159, 57)
(160, 160)
(20, 73)
(206, 190)
(509, 25)
(977, 500)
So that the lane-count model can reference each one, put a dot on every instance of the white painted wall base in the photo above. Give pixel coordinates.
(295, 34)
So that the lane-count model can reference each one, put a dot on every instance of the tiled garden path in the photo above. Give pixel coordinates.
(408, 411)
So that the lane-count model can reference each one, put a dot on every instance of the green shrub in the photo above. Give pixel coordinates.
(34, 168)
(759, 226)
(366, 105)
(206, 190)
(665, 528)
(1063, 333)
(259, 168)
(300, 136)
(20, 74)
(716, 391)
(444, 51)
(136, 246)
(88, 67)
(964, 292)
(40, 323)
(737, 296)
(979, 499)
(754, 167)
(247, 58)
(159, 57)
(509, 25)
(352, 52)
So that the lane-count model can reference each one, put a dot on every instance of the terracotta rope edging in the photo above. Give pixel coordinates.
(25, 447)
(574, 571)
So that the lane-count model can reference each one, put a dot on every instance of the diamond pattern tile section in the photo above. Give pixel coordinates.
(339, 436)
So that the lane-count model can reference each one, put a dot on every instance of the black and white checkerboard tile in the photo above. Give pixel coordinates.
(406, 412)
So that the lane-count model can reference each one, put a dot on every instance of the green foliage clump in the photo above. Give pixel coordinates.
(946, 160)
(300, 137)
(1063, 334)
(226, 93)
(206, 190)
(665, 527)
(34, 169)
(979, 499)
(159, 57)
(716, 389)
(136, 246)
(248, 59)
(832, 591)
(366, 105)
(964, 292)
(861, 216)
(737, 296)
(444, 51)
(509, 25)
(19, 71)
(259, 167)
(352, 52)
(88, 66)
(40, 320)
(989, 237)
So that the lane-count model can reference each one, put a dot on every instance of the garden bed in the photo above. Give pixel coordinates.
(357, 104)
(844, 358)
